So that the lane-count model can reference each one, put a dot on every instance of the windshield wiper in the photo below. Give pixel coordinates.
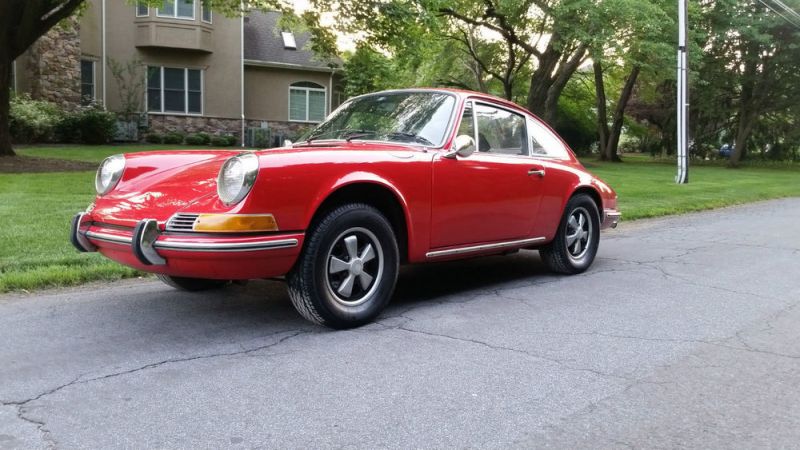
(346, 132)
(359, 134)
(414, 136)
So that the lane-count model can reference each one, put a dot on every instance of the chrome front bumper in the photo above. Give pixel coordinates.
(146, 241)
(611, 218)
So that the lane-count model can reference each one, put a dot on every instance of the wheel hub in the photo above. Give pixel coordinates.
(355, 264)
(356, 267)
(578, 235)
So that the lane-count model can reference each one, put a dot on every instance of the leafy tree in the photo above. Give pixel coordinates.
(627, 37)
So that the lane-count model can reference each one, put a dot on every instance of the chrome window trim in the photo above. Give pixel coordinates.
(481, 101)
(482, 247)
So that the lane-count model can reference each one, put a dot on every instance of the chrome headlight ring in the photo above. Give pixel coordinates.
(237, 177)
(109, 174)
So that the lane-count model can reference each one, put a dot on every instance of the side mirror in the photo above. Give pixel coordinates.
(287, 143)
(463, 146)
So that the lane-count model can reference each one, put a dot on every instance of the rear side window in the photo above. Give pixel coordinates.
(544, 142)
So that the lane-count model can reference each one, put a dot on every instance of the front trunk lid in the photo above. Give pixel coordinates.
(156, 185)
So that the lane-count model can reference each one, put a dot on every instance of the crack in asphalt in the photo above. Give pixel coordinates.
(557, 361)
(21, 405)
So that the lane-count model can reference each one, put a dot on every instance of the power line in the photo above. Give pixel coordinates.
(796, 24)
(787, 9)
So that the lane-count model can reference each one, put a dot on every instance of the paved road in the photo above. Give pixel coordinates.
(685, 333)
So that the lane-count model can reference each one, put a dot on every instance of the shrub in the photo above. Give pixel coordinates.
(224, 140)
(95, 125)
(174, 137)
(33, 120)
(192, 139)
(198, 139)
(205, 138)
(88, 125)
(154, 138)
(68, 129)
(219, 141)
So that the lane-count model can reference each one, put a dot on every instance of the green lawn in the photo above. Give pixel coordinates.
(648, 189)
(35, 213)
(96, 153)
(35, 209)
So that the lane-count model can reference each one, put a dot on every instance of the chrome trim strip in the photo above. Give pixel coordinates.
(109, 237)
(227, 246)
(202, 246)
(482, 247)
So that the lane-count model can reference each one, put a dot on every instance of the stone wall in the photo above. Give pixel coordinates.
(289, 130)
(165, 123)
(54, 64)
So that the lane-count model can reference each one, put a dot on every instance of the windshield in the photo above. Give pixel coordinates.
(416, 117)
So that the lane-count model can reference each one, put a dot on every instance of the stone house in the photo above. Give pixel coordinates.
(193, 70)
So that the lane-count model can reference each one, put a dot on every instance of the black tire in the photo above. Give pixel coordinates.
(573, 251)
(335, 250)
(192, 284)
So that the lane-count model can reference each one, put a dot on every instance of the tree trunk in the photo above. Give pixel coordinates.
(21, 24)
(5, 89)
(541, 78)
(744, 128)
(619, 115)
(602, 114)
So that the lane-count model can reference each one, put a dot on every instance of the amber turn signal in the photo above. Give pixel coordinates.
(235, 223)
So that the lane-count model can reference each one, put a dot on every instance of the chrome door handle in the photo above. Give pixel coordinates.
(539, 172)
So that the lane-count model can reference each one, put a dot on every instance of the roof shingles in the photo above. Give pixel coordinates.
(263, 42)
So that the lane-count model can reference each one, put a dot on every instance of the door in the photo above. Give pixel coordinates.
(492, 195)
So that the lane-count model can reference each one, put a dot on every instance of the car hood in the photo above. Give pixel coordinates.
(155, 185)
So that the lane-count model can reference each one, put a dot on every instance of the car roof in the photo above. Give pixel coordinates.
(460, 93)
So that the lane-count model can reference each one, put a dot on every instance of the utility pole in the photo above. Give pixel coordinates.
(683, 106)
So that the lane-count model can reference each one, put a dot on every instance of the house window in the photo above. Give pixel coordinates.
(87, 81)
(205, 13)
(179, 9)
(307, 102)
(142, 10)
(174, 90)
(289, 42)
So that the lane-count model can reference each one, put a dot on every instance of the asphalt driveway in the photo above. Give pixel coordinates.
(685, 333)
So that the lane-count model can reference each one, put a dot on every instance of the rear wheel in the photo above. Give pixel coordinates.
(577, 239)
(348, 269)
(191, 284)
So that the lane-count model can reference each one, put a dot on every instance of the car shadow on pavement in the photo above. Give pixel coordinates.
(263, 305)
(425, 282)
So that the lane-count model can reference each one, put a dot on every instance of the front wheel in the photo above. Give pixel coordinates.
(347, 271)
(575, 245)
(191, 284)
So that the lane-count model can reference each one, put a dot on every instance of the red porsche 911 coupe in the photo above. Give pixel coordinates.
(393, 177)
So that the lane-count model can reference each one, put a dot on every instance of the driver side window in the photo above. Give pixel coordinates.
(500, 131)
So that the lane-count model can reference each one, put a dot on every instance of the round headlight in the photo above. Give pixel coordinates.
(109, 173)
(236, 178)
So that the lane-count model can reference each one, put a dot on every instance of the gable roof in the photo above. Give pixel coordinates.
(263, 44)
